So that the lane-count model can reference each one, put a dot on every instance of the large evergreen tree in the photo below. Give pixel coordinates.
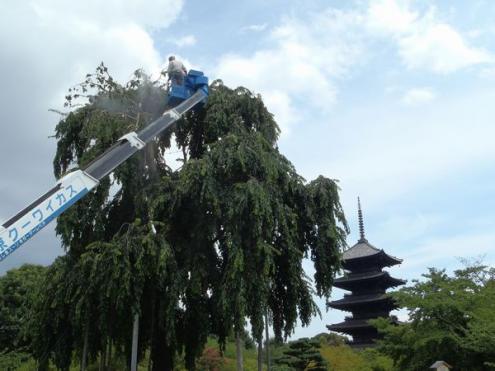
(195, 250)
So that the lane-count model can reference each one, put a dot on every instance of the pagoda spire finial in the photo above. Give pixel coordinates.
(361, 223)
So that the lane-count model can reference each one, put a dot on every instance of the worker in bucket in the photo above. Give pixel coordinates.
(176, 71)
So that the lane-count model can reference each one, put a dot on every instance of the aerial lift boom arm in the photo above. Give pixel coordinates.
(75, 185)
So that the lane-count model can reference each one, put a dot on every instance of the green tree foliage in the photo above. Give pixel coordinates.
(451, 318)
(301, 355)
(17, 290)
(344, 358)
(331, 339)
(254, 216)
(376, 361)
(195, 250)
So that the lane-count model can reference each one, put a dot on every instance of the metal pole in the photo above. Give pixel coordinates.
(267, 342)
(135, 334)
(238, 347)
(260, 355)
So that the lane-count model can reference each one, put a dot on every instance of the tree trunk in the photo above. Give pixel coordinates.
(238, 348)
(184, 155)
(103, 353)
(162, 354)
(108, 354)
(135, 336)
(260, 355)
(267, 342)
(42, 365)
(85, 349)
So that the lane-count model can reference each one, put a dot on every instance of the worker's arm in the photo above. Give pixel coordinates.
(165, 74)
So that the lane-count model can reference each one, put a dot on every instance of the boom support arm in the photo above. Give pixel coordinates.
(75, 185)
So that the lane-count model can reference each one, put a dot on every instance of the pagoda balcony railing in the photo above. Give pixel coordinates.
(366, 316)
(364, 293)
(350, 318)
(348, 275)
(367, 292)
(363, 269)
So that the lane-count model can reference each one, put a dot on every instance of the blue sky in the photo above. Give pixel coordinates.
(393, 98)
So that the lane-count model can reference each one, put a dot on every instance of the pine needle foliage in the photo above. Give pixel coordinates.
(302, 355)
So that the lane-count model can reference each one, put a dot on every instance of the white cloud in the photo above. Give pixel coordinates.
(424, 41)
(66, 38)
(487, 72)
(440, 48)
(110, 13)
(305, 58)
(441, 252)
(188, 40)
(255, 27)
(388, 16)
(385, 152)
(417, 225)
(418, 96)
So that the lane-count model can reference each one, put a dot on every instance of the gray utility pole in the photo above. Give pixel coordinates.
(267, 342)
(135, 334)
(238, 346)
(260, 355)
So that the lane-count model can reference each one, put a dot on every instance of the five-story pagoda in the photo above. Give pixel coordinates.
(364, 277)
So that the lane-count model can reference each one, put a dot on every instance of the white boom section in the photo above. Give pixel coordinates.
(72, 187)
(69, 189)
(133, 140)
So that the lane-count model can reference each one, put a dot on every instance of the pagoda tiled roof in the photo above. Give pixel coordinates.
(363, 251)
(357, 278)
(350, 325)
(353, 300)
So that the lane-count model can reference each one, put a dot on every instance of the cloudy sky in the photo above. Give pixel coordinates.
(393, 98)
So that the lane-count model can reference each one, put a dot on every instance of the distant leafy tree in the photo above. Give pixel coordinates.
(376, 361)
(344, 358)
(18, 287)
(301, 355)
(17, 290)
(330, 339)
(452, 318)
